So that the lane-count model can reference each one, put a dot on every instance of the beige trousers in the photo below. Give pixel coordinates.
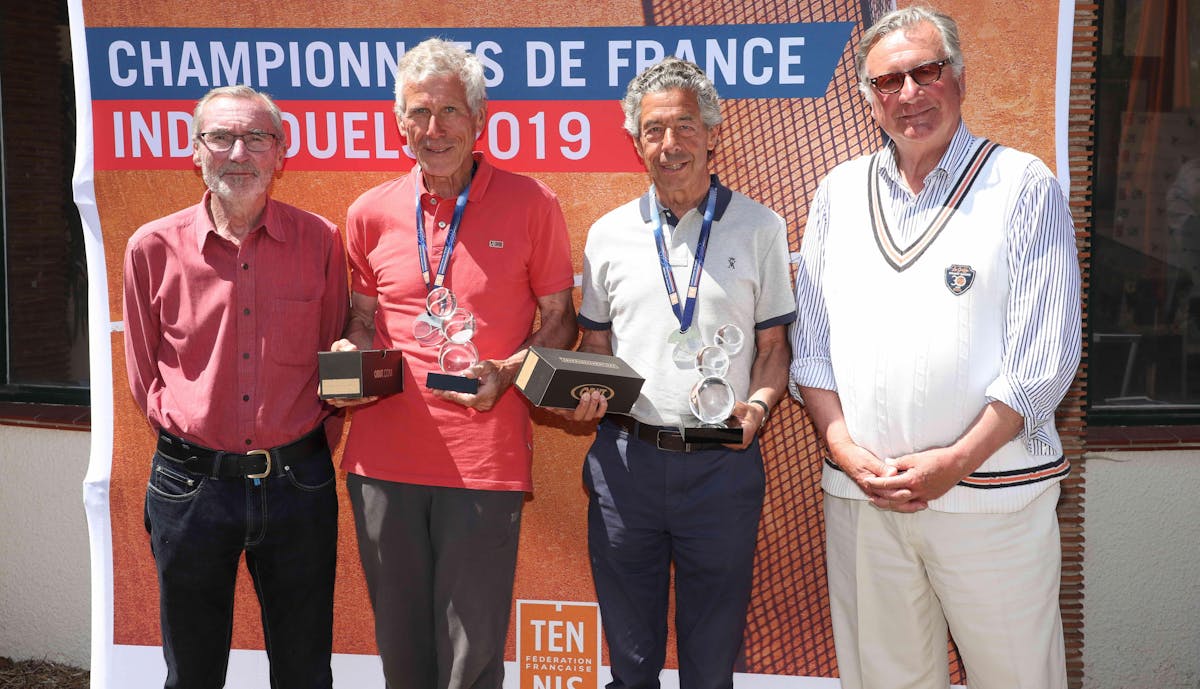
(897, 580)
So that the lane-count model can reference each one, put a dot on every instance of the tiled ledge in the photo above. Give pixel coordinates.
(63, 417)
(1143, 438)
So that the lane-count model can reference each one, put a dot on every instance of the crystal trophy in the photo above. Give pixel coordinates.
(712, 397)
(450, 328)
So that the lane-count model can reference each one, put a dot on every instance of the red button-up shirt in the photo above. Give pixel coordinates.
(221, 341)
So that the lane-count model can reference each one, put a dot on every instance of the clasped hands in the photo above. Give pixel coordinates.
(901, 484)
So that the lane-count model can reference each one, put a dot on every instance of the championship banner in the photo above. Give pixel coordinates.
(551, 90)
(555, 73)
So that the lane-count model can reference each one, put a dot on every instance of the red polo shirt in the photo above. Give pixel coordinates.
(221, 341)
(512, 248)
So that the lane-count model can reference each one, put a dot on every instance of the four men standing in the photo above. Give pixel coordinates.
(938, 300)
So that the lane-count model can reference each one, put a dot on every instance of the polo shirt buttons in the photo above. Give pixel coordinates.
(245, 355)
(245, 398)
(246, 311)
(441, 224)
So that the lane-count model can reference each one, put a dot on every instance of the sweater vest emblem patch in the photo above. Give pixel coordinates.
(959, 278)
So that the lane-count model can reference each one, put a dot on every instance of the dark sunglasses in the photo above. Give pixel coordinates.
(924, 75)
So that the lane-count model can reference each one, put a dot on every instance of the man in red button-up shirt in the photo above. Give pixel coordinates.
(226, 306)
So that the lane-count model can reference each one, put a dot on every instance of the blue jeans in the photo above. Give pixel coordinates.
(287, 526)
(649, 509)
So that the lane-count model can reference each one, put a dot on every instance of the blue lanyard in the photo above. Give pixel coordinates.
(689, 307)
(422, 246)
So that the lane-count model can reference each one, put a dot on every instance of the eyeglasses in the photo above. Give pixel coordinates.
(220, 142)
(924, 75)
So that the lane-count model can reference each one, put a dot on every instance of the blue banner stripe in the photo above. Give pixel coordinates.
(585, 63)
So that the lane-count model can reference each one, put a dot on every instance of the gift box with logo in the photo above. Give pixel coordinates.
(557, 377)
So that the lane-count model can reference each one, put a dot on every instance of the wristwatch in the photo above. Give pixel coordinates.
(766, 412)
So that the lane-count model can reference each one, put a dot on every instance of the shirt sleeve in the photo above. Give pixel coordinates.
(595, 309)
(811, 365)
(362, 276)
(141, 326)
(1042, 327)
(550, 268)
(776, 304)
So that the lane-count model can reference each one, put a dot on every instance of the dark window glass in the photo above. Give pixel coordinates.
(1144, 299)
(44, 344)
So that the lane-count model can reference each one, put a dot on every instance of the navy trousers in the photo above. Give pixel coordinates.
(649, 508)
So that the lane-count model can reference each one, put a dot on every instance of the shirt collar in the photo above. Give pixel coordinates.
(724, 196)
(205, 226)
(480, 179)
(962, 144)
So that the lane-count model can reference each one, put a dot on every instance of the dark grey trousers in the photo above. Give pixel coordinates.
(439, 564)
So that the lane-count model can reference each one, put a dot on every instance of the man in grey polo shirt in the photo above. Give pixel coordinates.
(662, 274)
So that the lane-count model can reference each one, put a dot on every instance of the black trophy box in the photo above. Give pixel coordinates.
(556, 378)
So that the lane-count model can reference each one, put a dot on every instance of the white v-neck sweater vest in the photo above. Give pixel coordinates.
(911, 357)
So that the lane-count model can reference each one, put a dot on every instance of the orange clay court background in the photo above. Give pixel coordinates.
(773, 150)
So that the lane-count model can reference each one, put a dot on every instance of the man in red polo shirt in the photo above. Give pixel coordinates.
(226, 306)
(437, 479)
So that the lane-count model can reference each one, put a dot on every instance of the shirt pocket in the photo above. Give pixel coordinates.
(295, 331)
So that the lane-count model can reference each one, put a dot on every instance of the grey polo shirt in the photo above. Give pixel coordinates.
(746, 282)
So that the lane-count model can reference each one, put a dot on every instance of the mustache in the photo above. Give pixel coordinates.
(237, 168)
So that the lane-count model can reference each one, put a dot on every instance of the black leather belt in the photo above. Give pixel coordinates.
(662, 437)
(253, 464)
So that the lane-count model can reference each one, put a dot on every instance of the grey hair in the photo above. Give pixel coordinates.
(244, 92)
(903, 20)
(437, 57)
(671, 73)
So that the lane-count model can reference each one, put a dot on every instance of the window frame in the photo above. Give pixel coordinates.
(25, 393)
(1111, 70)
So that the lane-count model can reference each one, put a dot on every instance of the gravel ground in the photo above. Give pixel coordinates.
(41, 674)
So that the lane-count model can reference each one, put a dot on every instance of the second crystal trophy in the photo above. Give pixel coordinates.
(449, 328)
(712, 397)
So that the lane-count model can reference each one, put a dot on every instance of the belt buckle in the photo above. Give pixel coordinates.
(266, 472)
(663, 433)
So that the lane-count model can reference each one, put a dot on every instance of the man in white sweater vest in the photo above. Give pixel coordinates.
(938, 329)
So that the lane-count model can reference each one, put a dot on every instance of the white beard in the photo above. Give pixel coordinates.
(250, 189)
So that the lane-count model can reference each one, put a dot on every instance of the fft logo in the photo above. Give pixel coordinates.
(558, 645)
